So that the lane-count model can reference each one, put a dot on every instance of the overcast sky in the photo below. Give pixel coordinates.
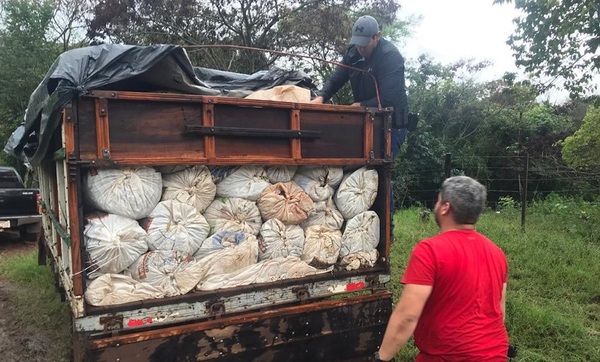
(451, 30)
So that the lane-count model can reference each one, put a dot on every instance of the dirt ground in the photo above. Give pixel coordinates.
(19, 342)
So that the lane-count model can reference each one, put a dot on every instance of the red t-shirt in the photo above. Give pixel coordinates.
(462, 319)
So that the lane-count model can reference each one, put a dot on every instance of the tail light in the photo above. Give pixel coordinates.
(39, 202)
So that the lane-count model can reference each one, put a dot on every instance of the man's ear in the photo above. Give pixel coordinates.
(445, 208)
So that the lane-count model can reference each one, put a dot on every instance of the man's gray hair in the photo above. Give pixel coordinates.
(466, 197)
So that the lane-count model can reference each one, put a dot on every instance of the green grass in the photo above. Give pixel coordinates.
(553, 300)
(39, 303)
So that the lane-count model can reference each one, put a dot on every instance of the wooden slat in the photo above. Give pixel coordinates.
(102, 129)
(70, 148)
(295, 143)
(388, 137)
(208, 120)
(250, 103)
(235, 161)
(54, 207)
(368, 137)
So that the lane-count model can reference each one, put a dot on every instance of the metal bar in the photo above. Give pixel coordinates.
(60, 230)
(251, 132)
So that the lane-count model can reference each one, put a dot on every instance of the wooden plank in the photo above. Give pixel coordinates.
(138, 123)
(208, 120)
(237, 160)
(73, 197)
(102, 129)
(295, 143)
(192, 98)
(368, 137)
(87, 133)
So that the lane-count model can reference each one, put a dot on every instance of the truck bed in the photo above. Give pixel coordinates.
(106, 129)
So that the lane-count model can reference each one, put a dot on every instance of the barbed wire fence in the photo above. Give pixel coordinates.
(519, 179)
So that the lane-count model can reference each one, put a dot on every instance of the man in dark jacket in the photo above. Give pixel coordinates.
(384, 70)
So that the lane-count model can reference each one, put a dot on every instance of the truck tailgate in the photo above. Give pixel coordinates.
(18, 202)
(332, 330)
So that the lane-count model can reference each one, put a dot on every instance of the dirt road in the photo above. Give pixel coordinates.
(20, 341)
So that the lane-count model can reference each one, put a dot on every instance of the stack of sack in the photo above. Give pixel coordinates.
(162, 232)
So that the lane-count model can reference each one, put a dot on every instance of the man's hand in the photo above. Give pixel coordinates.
(356, 104)
(318, 100)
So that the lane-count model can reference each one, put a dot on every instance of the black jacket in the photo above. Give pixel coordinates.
(387, 66)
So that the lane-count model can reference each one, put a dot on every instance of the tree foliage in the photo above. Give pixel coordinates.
(559, 40)
(25, 56)
(317, 28)
(582, 149)
(487, 127)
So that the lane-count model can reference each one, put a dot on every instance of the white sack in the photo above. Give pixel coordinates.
(357, 192)
(233, 214)
(281, 173)
(286, 202)
(228, 260)
(362, 259)
(130, 192)
(173, 225)
(279, 240)
(361, 234)
(110, 289)
(246, 182)
(193, 186)
(319, 182)
(283, 93)
(325, 214)
(112, 243)
(159, 269)
(321, 246)
(264, 272)
(221, 240)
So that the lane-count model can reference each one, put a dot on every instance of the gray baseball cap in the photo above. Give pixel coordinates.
(363, 30)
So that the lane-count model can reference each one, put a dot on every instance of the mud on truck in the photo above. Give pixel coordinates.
(191, 214)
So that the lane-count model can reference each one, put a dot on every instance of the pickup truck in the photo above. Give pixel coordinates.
(19, 210)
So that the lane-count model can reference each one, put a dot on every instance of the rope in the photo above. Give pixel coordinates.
(279, 52)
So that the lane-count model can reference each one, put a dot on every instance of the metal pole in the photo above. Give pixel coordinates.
(524, 192)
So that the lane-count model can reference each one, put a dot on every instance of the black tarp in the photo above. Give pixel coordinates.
(127, 67)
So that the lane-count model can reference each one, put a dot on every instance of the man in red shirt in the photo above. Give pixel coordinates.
(454, 286)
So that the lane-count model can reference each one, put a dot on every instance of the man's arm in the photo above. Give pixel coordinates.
(503, 302)
(390, 82)
(339, 77)
(404, 319)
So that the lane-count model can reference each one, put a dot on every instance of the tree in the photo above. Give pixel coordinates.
(582, 149)
(318, 28)
(25, 56)
(68, 23)
(559, 40)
